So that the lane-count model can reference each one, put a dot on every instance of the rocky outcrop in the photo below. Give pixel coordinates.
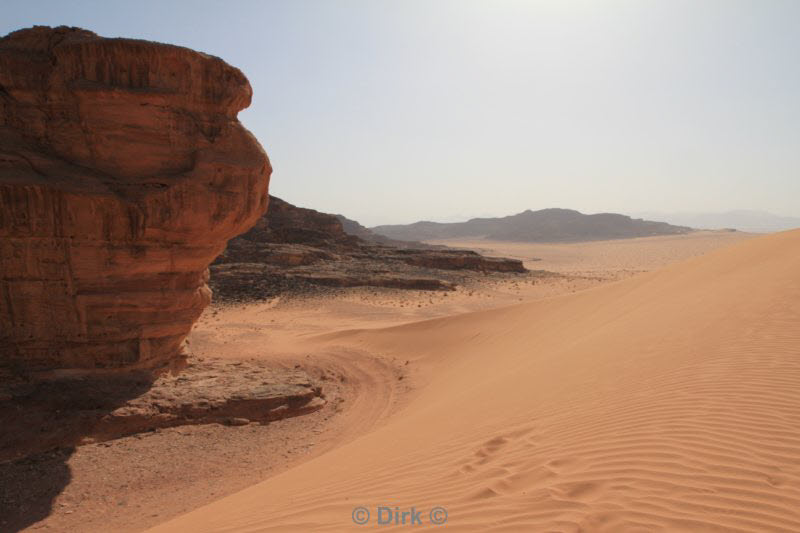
(285, 223)
(293, 249)
(123, 173)
(459, 260)
(65, 413)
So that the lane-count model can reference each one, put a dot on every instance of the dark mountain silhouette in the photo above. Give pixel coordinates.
(546, 225)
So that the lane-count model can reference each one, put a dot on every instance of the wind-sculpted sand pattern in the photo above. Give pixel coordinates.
(666, 402)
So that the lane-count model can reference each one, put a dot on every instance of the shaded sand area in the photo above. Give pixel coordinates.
(669, 401)
(136, 482)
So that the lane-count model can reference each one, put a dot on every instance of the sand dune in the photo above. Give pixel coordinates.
(667, 401)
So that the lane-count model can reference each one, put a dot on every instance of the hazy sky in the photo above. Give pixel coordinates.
(395, 111)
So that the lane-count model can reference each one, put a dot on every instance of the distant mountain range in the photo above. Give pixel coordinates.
(545, 225)
(351, 227)
(742, 220)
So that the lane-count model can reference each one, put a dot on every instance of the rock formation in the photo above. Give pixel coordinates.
(123, 173)
(291, 248)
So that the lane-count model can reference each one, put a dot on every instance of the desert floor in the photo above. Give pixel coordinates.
(617, 258)
(651, 384)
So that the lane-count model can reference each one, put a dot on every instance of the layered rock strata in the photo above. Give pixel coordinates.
(123, 173)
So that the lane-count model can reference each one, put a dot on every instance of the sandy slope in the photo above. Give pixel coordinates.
(668, 401)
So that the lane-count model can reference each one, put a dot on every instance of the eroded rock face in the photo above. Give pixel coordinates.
(123, 173)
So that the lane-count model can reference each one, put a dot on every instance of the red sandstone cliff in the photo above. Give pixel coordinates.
(123, 173)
